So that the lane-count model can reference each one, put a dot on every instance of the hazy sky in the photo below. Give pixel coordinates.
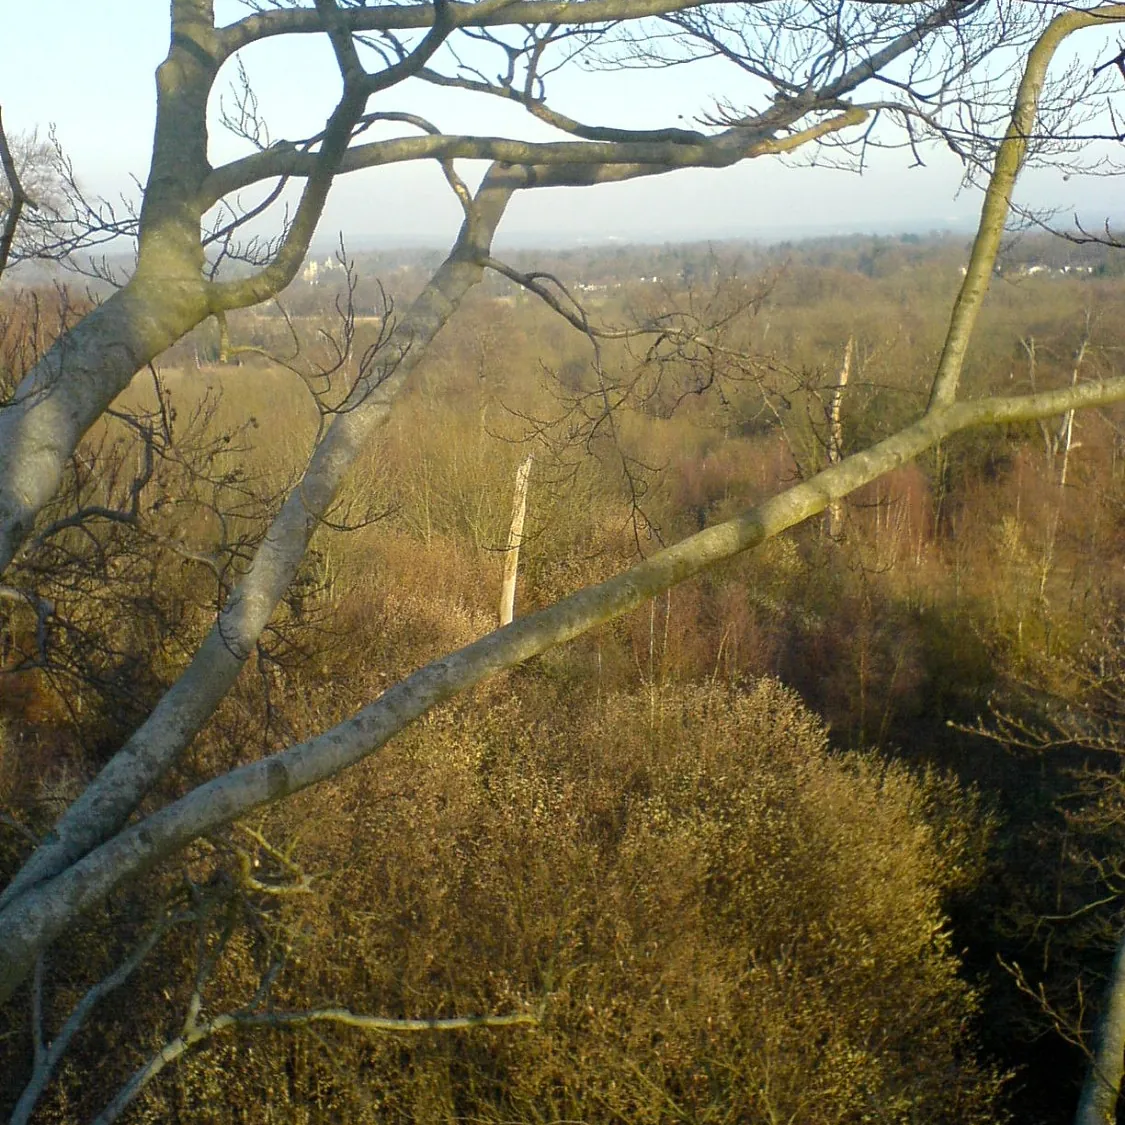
(86, 67)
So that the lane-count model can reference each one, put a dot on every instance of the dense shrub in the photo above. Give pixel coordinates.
(719, 919)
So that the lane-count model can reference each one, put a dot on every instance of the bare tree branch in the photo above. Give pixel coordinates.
(47, 1058)
(17, 199)
(200, 1031)
(491, 13)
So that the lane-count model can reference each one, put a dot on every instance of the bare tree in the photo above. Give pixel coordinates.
(821, 73)
(29, 194)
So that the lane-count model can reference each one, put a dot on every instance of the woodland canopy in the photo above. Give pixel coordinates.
(291, 827)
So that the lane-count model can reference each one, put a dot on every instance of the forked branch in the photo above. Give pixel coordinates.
(17, 199)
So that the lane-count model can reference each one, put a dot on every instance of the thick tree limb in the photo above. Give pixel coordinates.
(539, 108)
(73, 385)
(107, 802)
(406, 17)
(1097, 1104)
(998, 197)
(37, 916)
(655, 156)
(713, 152)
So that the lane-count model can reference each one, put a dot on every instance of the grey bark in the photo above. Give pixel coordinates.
(70, 388)
(835, 521)
(1097, 1104)
(108, 800)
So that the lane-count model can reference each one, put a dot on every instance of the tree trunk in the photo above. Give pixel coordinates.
(835, 522)
(515, 538)
(71, 386)
(1098, 1102)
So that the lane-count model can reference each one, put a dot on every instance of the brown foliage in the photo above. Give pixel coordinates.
(718, 919)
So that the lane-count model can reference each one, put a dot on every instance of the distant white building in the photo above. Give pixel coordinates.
(314, 269)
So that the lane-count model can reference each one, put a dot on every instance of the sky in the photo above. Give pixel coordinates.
(85, 68)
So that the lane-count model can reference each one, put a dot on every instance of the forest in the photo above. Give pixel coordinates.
(622, 684)
(829, 833)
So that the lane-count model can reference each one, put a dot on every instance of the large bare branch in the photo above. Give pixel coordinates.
(73, 385)
(998, 197)
(537, 107)
(35, 918)
(407, 17)
(719, 151)
(327, 161)
(666, 148)
(78, 378)
(1101, 1090)
(131, 773)
(286, 160)
(947, 15)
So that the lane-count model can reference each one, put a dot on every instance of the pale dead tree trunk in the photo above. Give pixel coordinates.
(1102, 1088)
(1065, 438)
(515, 540)
(224, 337)
(1068, 424)
(835, 521)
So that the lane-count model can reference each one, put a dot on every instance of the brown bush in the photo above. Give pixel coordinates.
(720, 921)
